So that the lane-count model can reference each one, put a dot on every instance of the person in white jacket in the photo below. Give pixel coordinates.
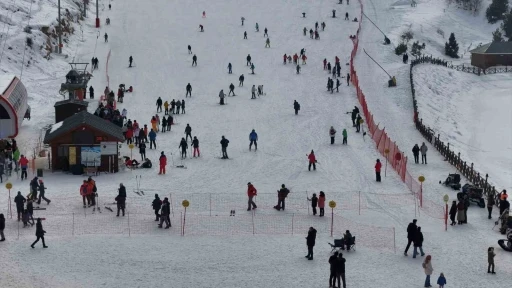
(253, 90)
(427, 266)
(423, 150)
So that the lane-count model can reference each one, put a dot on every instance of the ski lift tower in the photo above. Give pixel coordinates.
(76, 82)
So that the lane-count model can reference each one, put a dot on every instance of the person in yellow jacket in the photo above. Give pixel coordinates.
(166, 107)
(154, 123)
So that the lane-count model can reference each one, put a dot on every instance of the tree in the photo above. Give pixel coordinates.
(451, 48)
(416, 49)
(506, 26)
(496, 11)
(497, 36)
(401, 49)
(407, 36)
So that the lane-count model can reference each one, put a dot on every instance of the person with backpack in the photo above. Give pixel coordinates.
(39, 233)
(253, 138)
(157, 204)
(195, 145)
(332, 133)
(184, 147)
(418, 243)
(314, 203)
(224, 145)
(281, 196)
(165, 216)
(251, 193)
(312, 161)
(296, 106)
(121, 199)
(310, 242)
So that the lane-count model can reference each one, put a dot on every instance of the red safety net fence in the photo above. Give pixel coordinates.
(386, 146)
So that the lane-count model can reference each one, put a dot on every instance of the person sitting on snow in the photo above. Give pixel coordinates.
(130, 163)
(147, 163)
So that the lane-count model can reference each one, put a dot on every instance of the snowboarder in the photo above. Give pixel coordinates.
(152, 139)
(298, 69)
(241, 79)
(267, 43)
(91, 93)
(39, 233)
(188, 132)
(332, 133)
(184, 147)
(253, 92)
(224, 145)
(189, 49)
(201, 27)
(229, 68)
(157, 204)
(130, 60)
(252, 68)
(189, 91)
(344, 133)
(378, 166)
(248, 58)
(121, 199)
(281, 196)
(314, 203)
(416, 153)
(163, 163)
(165, 216)
(418, 243)
(251, 193)
(20, 202)
(312, 161)
(194, 60)
(159, 105)
(296, 106)
(245, 34)
(257, 27)
(243, 19)
(310, 241)
(412, 229)
(231, 89)
(265, 34)
(423, 150)
(42, 192)
(490, 260)
(222, 96)
(253, 138)
(106, 37)
(195, 145)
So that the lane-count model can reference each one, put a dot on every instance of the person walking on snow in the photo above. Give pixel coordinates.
(251, 193)
(231, 89)
(321, 203)
(296, 106)
(378, 166)
(427, 267)
(188, 132)
(165, 216)
(42, 192)
(423, 150)
(229, 68)
(332, 263)
(416, 153)
(159, 105)
(412, 229)
(418, 243)
(130, 60)
(312, 160)
(332, 133)
(189, 49)
(490, 203)
(224, 145)
(241, 81)
(305, 31)
(106, 37)
(298, 69)
(253, 138)
(20, 202)
(163, 163)
(39, 233)
(314, 203)
(267, 43)
(166, 107)
(248, 58)
(252, 68)
(323, 26)
(253, 92)
(195, 145)
(194, 60)
(453, 212)
(310, 242)
(338, 84)
(257, 27)
(189, 90)
(265, 34)
(184, 147)
(355, 112)
(152, 139)
(157, 204)
(490, 260)
(344, 133)
(358, 123)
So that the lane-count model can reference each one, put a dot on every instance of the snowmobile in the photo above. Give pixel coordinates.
(474, 195)
(453, 180)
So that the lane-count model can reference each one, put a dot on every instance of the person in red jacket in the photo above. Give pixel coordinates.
(24, 165)
(284, 59)
(163, 163)
(312, 160)
(83, 192)
(251, 192)
(378, 165)
(129, 135)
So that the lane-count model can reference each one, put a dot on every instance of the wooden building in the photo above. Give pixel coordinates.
(67, 108)
(84, 143)
(492, 54)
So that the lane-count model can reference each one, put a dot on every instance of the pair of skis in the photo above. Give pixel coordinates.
(138, 179)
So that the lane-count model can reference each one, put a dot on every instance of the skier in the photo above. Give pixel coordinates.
(378, 166)
(142, 147)
(222, 96)
(201, 27)
(42, 192)
(224, 145)
(325, 64)
(416, 153)
(248, 58)
(194, 60)
(314, 203)
(159, 105)
(183, 106)
(355, 112)
(39, 233)
(260, 90)
(106, 37)
(121, 199)
(165, 216)
(412, 229)
(338, 84)
(229, 68)
(346, 16)
(253, 92)
(281, 196)
(257, 27)
(195, 144)
(243, 19)
(251, 192)
(189, 49)
(189, 90)
(329, 67)
(423, 150)
(20, 202)
(298, 69)
(344, 133)
(310, 241)
(252, 68)
(284, 59)
(253, 138)
(312, 160)
(304, 58)
(163, 163)
(157, 204)
(332, 133)
(305, 31)
(333, 13)
(184, 147)
(91, 93)
(152, 139)
(296, 106)
(323, 26)
(241, 79)
(130, 60)
(245, 34)
(231, 89)
(311, 33)
(166, 107)
(348, 79)
(188, 132)
(267, 43)
(358, 123)
(265, 34)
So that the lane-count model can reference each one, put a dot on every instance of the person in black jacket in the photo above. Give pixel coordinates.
(314, 203)
(121, 199)
(310, 241)
(39, 233)
(248, 60)
(296, 106)
(184, 147)
(34, 186)
(189, 90)
(188, 132)
(416, 153)
(224, 145)
(20, 203)
(165, 217)
(194, 60)
(231, 89)
(142, 147)
(91, 92)
(30, 211)
(453, 212)
(157, 204)
(241, 79)
(2, 227)
(411, 234)
(159, 104)
(418, 243)
(355, 111)
(332, 262)
(195, 144)
(340, 270)
(41, 193)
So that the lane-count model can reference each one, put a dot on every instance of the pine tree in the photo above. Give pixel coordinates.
(506, 26)
(451, 48)
(497, 36)
(416, 49)
(496, 11)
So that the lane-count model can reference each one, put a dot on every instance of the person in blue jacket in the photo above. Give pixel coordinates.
(253, 137)
(152, 139)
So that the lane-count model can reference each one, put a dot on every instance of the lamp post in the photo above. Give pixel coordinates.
(185, 204)
(332, 204)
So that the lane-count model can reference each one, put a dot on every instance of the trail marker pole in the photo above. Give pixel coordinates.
(332, 204)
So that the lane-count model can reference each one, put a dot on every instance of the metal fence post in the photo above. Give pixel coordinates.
(129, 232)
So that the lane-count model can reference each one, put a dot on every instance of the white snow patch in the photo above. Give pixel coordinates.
(56, 126)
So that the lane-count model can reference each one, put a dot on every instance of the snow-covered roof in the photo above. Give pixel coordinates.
(5, 81)
(494, 48)
(56, 126)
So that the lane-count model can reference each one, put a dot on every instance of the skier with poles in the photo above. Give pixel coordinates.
(163, 163)
(312, 160)
(188, 132)
(231, 89)
(189, 90)
(184, 147)
(195, 144)
(224, 145)
(251, 193)
(130, 60)
(253, 138)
